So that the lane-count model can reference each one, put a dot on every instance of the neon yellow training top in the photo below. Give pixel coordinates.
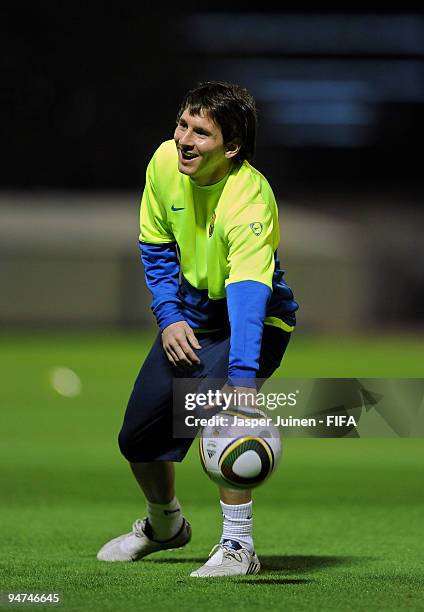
(223, 239)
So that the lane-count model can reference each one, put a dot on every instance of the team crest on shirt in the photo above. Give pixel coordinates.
(256, 228)
(212, 225)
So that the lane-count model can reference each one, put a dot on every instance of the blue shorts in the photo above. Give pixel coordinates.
(147, 430)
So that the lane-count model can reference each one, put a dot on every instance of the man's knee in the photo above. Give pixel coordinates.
(128, 444)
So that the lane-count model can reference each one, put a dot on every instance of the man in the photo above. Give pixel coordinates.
(208, 237)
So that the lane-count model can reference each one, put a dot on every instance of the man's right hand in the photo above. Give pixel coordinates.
(178, 341)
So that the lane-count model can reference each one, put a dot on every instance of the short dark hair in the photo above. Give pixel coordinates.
(231, 107)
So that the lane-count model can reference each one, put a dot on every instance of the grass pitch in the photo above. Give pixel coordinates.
(338, 527)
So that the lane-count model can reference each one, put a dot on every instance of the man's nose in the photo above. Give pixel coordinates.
(187, 139)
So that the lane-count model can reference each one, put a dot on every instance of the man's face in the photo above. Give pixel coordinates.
(202, 154)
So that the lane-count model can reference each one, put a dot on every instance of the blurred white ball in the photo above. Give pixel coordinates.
(65, 381)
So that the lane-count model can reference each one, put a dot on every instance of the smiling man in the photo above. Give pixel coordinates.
(208, 236)
(205, 160)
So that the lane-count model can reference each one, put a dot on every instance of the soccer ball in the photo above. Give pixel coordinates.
(240, 450)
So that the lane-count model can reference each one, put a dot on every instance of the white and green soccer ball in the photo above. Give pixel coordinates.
(240, 456)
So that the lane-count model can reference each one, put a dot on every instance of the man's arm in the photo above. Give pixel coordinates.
(248, 288)
(161, 268)
(247, 301)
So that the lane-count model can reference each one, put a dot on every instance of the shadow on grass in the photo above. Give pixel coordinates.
(304, 563)
(280, 563)
(257, 580)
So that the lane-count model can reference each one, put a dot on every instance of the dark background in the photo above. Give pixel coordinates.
(88, 92)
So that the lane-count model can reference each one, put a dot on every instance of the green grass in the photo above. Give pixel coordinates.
(339, 526)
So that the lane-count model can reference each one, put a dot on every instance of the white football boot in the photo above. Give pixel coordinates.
(139, 542)
(228, 559)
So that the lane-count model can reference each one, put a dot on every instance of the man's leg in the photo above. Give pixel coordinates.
(237, 512)
(237, 505)
(235, 553)
(230, 496)
(146, 441)
(156, 479)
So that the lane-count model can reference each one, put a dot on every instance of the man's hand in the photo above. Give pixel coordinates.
(178, 341)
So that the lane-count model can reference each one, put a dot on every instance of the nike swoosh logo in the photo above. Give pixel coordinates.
(174, 209)
(172, 511)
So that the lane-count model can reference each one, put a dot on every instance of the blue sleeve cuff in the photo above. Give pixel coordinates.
(169, 320)
(242, 378)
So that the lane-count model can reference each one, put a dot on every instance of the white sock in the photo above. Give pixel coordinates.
(238, 523)
(165, 519)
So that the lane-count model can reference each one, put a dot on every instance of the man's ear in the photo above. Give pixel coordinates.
(231, 149)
